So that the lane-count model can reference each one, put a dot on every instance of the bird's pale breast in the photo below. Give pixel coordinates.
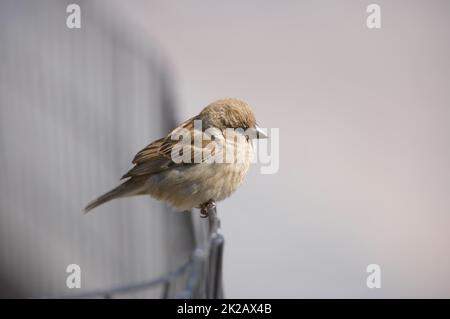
(189, 186)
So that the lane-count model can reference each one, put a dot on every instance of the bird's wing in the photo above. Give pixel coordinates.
(157, 156)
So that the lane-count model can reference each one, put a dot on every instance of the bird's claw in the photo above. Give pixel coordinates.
(206, 208)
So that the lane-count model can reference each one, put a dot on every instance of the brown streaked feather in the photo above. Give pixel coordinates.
(156, 157)
(150, 151)
(163, 146)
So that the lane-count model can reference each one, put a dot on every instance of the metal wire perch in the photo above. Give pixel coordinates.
(203, 271)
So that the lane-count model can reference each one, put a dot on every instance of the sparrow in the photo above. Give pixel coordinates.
(201, 162)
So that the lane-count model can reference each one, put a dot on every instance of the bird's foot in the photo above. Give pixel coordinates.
(207, 208)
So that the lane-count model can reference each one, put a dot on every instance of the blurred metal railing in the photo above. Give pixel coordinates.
(203, 271)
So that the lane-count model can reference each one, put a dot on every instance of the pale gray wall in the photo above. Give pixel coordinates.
(364, 118)
(75, 106)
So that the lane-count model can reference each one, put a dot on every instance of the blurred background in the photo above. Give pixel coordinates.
(364, 120)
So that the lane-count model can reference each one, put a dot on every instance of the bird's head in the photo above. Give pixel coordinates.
(231, 113)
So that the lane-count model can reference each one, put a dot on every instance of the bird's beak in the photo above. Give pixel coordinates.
(259, 132)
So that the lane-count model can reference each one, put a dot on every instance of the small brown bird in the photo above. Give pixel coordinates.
(212, 169)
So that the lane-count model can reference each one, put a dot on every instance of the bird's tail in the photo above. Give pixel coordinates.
(125, 189)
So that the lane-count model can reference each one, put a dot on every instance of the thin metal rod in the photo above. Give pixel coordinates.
(204, 270)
